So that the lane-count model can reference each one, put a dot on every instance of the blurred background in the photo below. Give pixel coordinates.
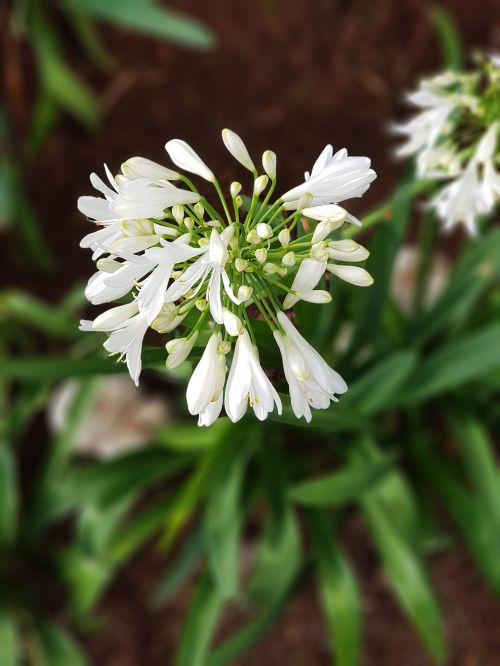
(85, 82)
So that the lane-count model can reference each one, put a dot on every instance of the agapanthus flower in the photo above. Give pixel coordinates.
(178, 265)
(454, 138)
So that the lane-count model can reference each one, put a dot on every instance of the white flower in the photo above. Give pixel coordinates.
(306, 278)
(210, 266)
(127, 341)
(347, 250)
(327, 213)
(105, 287)
(183, 156)
(135, 199)
(334, 177)
(247, 384)
(205, 388)
(311, 381)
(232, 323)
(237, 148)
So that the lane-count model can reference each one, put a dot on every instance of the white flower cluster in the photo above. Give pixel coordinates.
(454, 137)
(180, 263)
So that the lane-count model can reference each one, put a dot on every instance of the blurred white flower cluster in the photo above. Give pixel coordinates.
(454, 138)
(181, 264)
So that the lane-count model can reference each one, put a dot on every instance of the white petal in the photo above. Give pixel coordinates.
(183, 156)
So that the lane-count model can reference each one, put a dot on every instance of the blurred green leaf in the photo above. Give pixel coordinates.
(149, 18)
(200, 624)
(333, 419)
(449, 37)
(8, 496)
(339, 592)
(180, 569)
(9, 647)
(407, 574)
(340, 487)
(86, 576)
(56, 647)
(223, 517)
(15, 304)
(376, 388)
(190, 437)
(458, 362)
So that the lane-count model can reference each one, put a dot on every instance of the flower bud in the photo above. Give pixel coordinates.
(179, 349)
(238, 201)
(232, 323)
(261, 255)
(284, 237)
(253, 237)
(260, 184)
(319, 252)
(240, 264)
(213, 223)
(237, 148)
(270, 269)
(189, 223)
(235, 189)
(224, 347)
(288, 259)
(114, 318)
(352, 274)
(199, 210)
(244, 292)
(203, 241)
(264, 230)
(305, 201)
(269, 163)
(178, 213)
(168, 318)
(201, 304)
(176, 274)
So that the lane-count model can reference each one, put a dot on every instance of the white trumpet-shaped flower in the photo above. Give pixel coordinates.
(179, 263)
(247, 384)
(312, 383)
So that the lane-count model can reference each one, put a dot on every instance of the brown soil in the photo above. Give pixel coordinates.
(290, 76)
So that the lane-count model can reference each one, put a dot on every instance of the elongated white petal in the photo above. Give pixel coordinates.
(207, 381)
(307, 277)
(327, 213)
(115, 317)
(353, 274)
(141, 167)
(232, 323)
(237, 148)
(183, 156)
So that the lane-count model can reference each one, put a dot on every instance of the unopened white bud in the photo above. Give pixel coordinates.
(261, 255)
(240, 264)
(284, 237)
(237, 148)
(108, 265)
(199, 210)
(305, 201)
(270, 269)
(176, 275)
(232, 323)
(189, 223)
(319, 252)
(178, 213)
(282, 270)
(288, 259)
(224, 347)
(253, 237)
(260, 185)
(244, 292)
(179, 349)
(213, 223)
(264, 230)
(238, 201)
(201, 304)
(168, 318)
(203, 241)
(235, 189)
(353, 274)
(322, 230)
(269, 163)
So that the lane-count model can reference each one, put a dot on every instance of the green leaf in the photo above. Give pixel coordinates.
(449, 38)
(378, 386)
(56, 647)
(223, 519)
(85, 576)
(339, 592)
(459, 362)
(148, 18)
(278, 559)
(9, 647)
(180, 569)
(333, 419)
(18, 305)
(407, 574)
(200, 624)
(340, 487)
(8, 496)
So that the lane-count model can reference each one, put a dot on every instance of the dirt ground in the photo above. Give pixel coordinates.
(292, 76)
